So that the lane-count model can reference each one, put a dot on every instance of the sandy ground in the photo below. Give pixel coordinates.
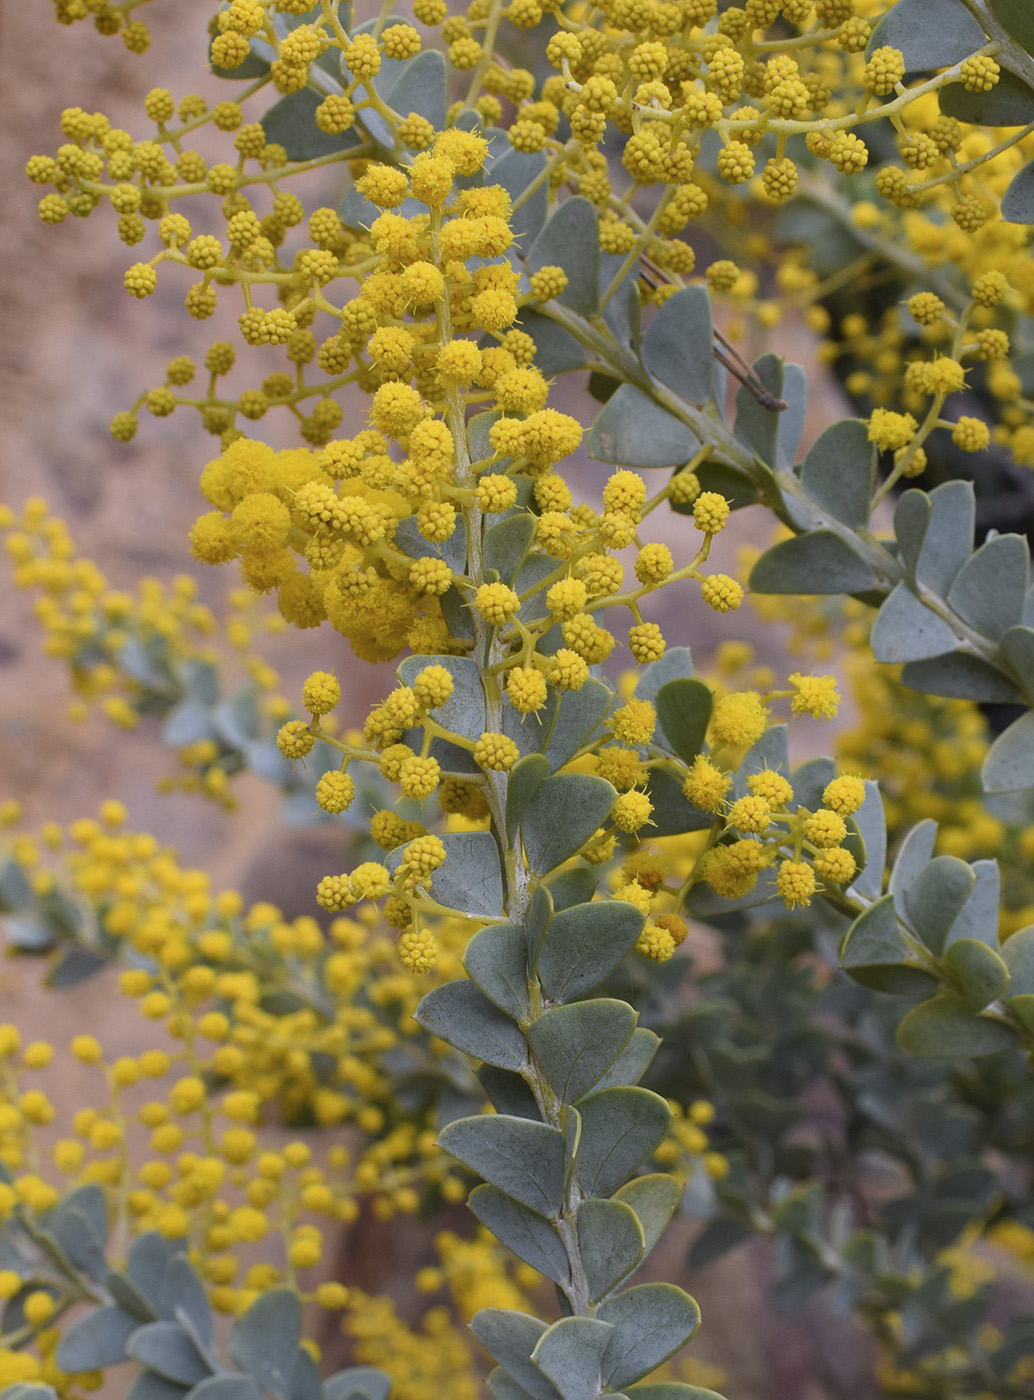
(64, 370)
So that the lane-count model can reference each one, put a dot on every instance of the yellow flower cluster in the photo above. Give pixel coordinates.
(130, 654)
(217, 966)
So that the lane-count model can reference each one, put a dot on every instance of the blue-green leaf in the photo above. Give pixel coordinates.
(574, 886)
(166, 1349)
(915, 853)
(654, 1198)
(871, 825)
(946, 541)
(291, 123)
(1018, 955)
(1009, 103)
(496, 961)
(526, 777)
(187, 723)
(571, 240)
(75, 965)
(611, 1242)
(507, 543)
(421, 88)
(840, 471)
(1016, 17)
(947, 1028)
(570, 1353)
(464, 711)
(978, 917)
(265, 1340)
(471, 879)
(672, 1390)
(522, 1231)
(579, 716)
(633, 431)
(228, 1388)
(556, 350)
(508, 1093)
(874, 952)
(651, 1322)
(672, 814)
(503, 1386)
(149, 1257)
(1009, 765)
(684, 712)
(678, 349)
(773, 434)
(771, 751)
(96, 1340)
(905, 629)
(524, 1159)
(1018, 648)
(620, 1128)
(365, 1381)
(128, 1296)
(959, 675)
(584, 944)
(462, 1016)
(510, 1338)
(980, 969)
(816, 562)
(1018, 200)
(562, 816)
(148, 1385)
(634, 1060)
(675, 664)
(515, 171)
(935, 898)
(408, 538)
(990, 589)
(575, 1045)
(930, 33)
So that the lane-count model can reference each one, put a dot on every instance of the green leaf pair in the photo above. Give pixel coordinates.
(579, 1358)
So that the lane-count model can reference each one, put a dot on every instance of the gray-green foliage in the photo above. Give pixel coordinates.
(153, 1309)
(558, 1189)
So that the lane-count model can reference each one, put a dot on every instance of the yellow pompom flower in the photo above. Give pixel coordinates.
(526, 689)
(773, 787)
(816, 696)
(795, 882)
(739, 719)
(710, 512)
(721, 593)
(631, 811)
(433, 687)
(889, 430)
(335, 792)
(844, 795)
(646, 642)
(653, 563)
(825, 829)
(496, 752)
(655, 943)
(971, 434)
(705, 785)
(568, 670)
(750, 814)
(321, 692)
(837, 866)
(496, 602)
(418, 951)
(634, 722)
